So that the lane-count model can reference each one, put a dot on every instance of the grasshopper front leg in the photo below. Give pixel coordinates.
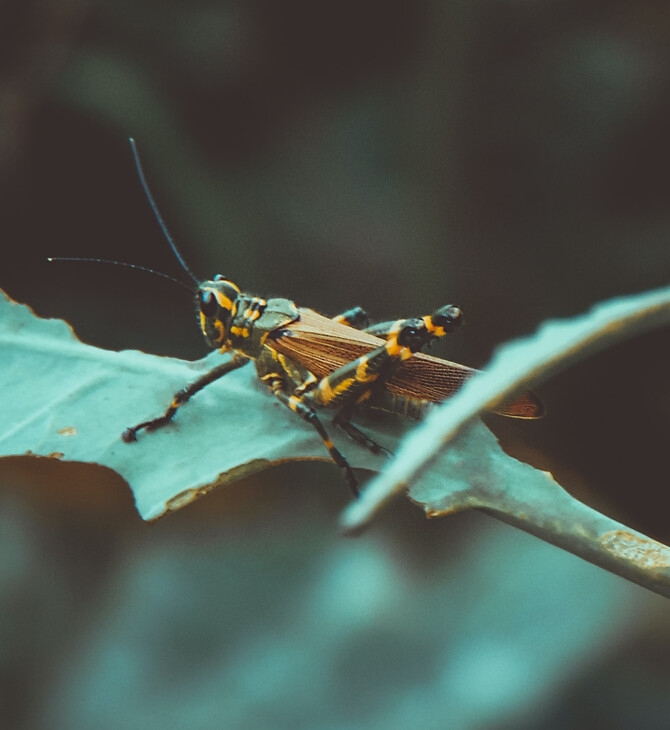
(183, 395)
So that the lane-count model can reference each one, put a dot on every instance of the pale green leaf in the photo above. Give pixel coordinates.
(64, 399)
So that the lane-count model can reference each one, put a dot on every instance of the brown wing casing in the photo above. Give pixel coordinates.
(321, 346)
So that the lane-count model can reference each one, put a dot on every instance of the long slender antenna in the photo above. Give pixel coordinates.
(121, 263)
(154, 208)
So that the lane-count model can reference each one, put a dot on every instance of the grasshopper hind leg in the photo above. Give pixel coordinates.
(343, 420)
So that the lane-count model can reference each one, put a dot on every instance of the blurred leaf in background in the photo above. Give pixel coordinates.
(507, 156)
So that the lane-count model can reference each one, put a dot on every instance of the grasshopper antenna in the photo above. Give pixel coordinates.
(121, 263)
(157, 215)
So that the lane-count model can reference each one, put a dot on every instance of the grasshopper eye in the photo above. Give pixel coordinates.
(208, 304)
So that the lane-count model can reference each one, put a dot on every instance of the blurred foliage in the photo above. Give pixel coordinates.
(508, 156)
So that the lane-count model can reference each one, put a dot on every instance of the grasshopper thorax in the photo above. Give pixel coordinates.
(216, 300)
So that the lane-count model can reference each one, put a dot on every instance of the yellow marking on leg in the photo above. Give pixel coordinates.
(362, 376)
(329, 393)
(435, 331)
(391, 345)
(397, 351)
(283, 360)
(325, 391)
(252, 314)
(308, 382)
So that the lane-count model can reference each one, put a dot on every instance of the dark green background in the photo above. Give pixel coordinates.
(510, 157)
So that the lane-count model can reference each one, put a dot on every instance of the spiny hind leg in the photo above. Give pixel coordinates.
(363, 379)
(356, 382)
(343, 420)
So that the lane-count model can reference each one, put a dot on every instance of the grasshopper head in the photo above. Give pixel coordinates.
(217, 301)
